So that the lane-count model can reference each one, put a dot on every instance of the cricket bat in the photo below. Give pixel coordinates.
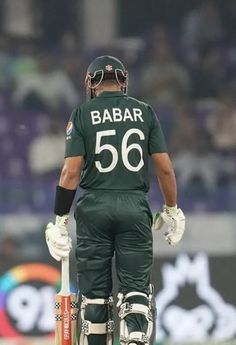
(65, 310)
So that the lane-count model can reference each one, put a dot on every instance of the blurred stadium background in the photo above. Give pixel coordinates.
(181, 57)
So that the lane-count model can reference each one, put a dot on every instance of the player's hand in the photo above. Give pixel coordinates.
(58, 239)
(174, 218)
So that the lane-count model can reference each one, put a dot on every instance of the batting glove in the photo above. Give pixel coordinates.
(174, 218)
(58, 239)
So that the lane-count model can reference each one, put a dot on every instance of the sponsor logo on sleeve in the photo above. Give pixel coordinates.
(69, 128)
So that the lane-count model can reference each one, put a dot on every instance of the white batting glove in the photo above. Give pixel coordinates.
(58, 239)
(174, 218)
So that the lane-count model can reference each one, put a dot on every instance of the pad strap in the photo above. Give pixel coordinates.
(97, 328)
(86, 300)
(121, 296)
(134, 308)
(139, 336)
(135, 293)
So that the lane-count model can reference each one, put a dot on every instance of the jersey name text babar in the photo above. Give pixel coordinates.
(116, 115)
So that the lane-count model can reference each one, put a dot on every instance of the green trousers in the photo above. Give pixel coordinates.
(113, 223)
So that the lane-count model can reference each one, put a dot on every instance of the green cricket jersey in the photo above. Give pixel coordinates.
(115, 134)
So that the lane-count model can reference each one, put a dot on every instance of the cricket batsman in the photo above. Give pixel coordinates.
(109, 140)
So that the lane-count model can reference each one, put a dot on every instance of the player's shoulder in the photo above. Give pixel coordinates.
(146, 108)
(138, 102)
(129, 101)
(86, 105)
(79, 108)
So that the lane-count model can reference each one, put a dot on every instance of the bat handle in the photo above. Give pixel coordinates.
(65, 277)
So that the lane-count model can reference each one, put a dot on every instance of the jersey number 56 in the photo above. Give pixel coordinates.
(125, 149)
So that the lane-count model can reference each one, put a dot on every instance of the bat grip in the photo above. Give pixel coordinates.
(65, 277)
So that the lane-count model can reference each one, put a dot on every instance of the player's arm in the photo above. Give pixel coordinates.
(57, 237)
(171, 214)
(70, 174)
(166, 177)
(68, 183)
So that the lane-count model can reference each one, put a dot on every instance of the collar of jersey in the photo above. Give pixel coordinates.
(111, 94)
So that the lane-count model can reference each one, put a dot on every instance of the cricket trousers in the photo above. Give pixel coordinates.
(112, 223)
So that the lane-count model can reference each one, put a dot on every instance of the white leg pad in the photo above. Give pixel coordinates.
(127, 308)
(89, 327)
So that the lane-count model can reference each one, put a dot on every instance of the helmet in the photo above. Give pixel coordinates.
(105, 68)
